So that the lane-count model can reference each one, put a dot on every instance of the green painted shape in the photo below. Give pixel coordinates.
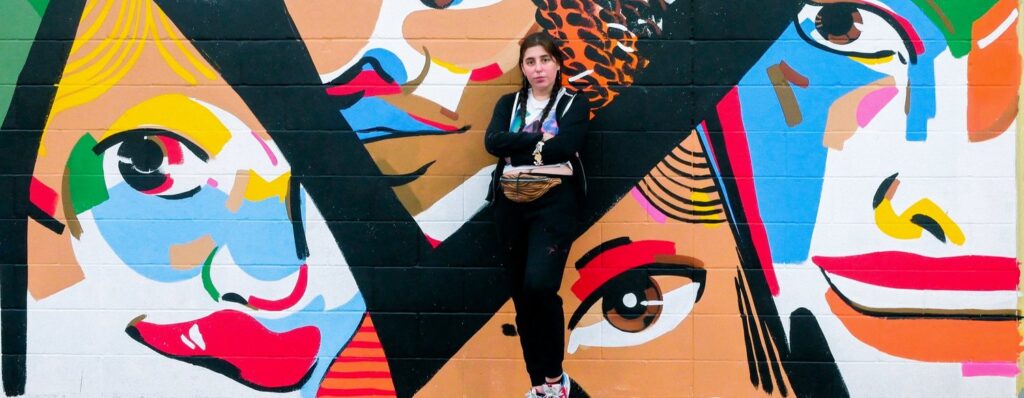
(18, 24)
(85, 176)
(207, 280)
(39, 6)
(961, 15)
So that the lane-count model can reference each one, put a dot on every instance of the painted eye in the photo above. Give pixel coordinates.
(632, 302)
(148, 160)
(458, 4)
(634, 309)
(852, 29)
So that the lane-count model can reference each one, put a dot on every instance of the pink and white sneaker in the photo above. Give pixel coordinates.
(558, 390)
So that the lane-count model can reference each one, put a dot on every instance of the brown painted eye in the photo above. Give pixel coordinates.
(838, 23)
(632, 302)
(438, 4)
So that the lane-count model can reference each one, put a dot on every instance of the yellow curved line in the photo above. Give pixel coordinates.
(119, 28)
(899, 226)
(83, 80)
(201, 67)
(168, 58)
(872, 61)
(92, 28)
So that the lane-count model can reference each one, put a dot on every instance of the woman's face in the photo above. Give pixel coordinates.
(540, 68)
(186, 259)
(881, 144)
(415, 90)
(654, 300)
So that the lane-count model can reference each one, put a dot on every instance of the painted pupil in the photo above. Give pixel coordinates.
(626, 301)
(837, 23)
(140, 160)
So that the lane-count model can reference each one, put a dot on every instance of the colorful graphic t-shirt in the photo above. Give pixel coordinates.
(534, 108)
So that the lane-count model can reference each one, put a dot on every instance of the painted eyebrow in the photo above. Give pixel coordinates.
(117, 138)
(613, 261)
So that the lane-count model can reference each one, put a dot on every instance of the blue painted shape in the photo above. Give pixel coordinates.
(390, 63)
(337, 326)
(141, 228)
(373, 113)
(789, 162)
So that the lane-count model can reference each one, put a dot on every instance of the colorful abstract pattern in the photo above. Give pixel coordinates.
(287, 198)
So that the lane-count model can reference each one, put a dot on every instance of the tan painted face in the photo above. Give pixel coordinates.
(652, 300)
(425, 93)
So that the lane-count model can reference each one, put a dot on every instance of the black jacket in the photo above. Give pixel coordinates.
(572, 112)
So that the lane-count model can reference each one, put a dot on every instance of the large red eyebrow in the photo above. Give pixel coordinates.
(613, 262)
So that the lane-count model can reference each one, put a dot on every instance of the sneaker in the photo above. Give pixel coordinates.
(558, 390)
(534, 394)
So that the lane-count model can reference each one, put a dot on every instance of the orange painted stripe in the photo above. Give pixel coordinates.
(930, 339)
(993, 76)
(361, 369)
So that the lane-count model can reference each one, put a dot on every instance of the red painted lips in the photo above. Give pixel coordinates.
(236, 345)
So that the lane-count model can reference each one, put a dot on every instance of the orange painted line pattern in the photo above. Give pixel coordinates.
(931, 339)
(361, 369)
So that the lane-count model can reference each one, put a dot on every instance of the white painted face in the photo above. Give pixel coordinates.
(188, 264)
(911, 255)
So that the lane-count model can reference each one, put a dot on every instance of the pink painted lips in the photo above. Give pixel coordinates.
(238, 346)
(950, 309)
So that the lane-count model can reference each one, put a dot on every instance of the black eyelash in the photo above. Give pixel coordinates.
(122, 136)
(880, 54)
(697, 275)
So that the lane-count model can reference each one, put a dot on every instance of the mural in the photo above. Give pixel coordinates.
(786, 198)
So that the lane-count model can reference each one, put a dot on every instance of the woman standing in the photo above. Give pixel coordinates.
(537, 134)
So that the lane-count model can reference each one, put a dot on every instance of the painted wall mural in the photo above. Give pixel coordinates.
(286, 198)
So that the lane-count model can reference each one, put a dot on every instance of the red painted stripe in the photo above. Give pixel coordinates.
(364, 344)
(439, 126)
(356, 392)
(368, 82)
(434, 243)
(173, 148)
(912, 271)
(164, 186)
(367, 329)
(343, 359)
(489, 72)
(361, 375)
(287, 302)
(731, 117)
(42, 197)
(615, 261)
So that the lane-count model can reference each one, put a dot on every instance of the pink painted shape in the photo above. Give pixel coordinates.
(1004, 369)
(431, 123)
(489, 72)
(211, 182)
(287, 302)
(167, 184)
(873, 103)
(731, 117)
(369, 83)
(266, 148)
(42, 197)
(434, 243)
(655, 214)
(173, 148)
(900, 270)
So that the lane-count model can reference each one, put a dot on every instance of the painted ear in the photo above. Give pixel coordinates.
(52, 265)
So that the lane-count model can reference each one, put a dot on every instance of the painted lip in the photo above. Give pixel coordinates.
(925, 308)
(238, 346)
(899, 283)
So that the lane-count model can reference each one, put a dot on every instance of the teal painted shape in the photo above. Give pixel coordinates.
(19, 20)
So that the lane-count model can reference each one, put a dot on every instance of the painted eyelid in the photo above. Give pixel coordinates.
(695, 274)
(911, 43)
(120, 137)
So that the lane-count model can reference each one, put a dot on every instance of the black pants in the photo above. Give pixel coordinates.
(535, 238)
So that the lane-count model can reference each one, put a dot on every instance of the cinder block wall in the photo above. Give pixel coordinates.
(224, 198)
